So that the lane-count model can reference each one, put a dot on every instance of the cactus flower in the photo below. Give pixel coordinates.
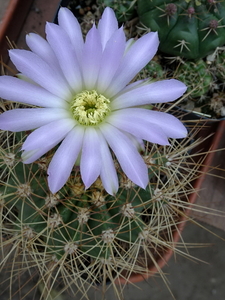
(82, 98)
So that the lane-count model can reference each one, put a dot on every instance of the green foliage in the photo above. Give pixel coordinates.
(190, 29)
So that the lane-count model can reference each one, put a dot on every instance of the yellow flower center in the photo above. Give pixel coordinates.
(90, 108)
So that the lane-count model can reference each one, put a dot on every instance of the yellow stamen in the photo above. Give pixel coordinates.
(90, 108)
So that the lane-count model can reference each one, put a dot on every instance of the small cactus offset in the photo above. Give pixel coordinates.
(196, 76)
(220, 66)
(87, 237)
(153, 71)
(124, 9)
(190, 29)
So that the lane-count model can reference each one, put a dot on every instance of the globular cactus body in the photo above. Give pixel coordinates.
(90, 222)
(190, 29)
(88, 236)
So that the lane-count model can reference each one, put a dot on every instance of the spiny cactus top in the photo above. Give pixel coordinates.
(83, 99)
(188, 28)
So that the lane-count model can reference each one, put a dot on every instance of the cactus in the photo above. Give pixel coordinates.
(152, 71)
(196, 76)
(220, 66)
(190, 29)
(90, 237)
(124, 9)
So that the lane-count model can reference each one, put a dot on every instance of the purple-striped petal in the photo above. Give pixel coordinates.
(170, 125)
(129, 43)
(137, 142)
(141, 128)
(91, 60)
(25, 78)
(30, 118)
(130, 160)
(71, 26)
(111, 59)
(64, 159)
(107, 25)
(133, 86)
(45, 138)
(41, 47)
(90, 164)
(40, 72)
(65, 53)
(108, 172)
(14, 89)
(156, 92)
(137, 56)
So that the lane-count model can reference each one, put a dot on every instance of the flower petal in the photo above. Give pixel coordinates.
(71, 26)
(64, 159)
(30, 118)
(137, 56)
(156, 92)
(130, 160)
(91, 60)
(65, 53)
(111, 59)
(45, 138)
(90, 164)
(108, 172)
(32, 66)
(132, 86)
(41, 47)
(107, 25)
(14, 89)
(138, 127)
(170, 125)
(137, 142)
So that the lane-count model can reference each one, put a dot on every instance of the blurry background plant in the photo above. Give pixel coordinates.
(86, 238)
(189, 28)
(192, 36)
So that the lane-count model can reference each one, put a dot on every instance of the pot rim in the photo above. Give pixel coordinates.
(134, 277)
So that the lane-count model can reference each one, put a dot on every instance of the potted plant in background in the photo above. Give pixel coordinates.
(192, 36)
(75, 227)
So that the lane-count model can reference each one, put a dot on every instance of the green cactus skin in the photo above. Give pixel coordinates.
(124, 9)
(196, 76)
(76, 233)
(66, 220)
(153, 70)
(220, 66)
(190, 29)
(83, 218)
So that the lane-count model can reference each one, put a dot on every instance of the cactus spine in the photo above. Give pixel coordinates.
(124, 9)
(190, 29)
(88, 237)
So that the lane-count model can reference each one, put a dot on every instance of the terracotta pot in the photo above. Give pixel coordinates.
(217, 129)
(211, 184)
(12, 23)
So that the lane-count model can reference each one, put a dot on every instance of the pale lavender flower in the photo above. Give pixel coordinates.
(84, 100)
